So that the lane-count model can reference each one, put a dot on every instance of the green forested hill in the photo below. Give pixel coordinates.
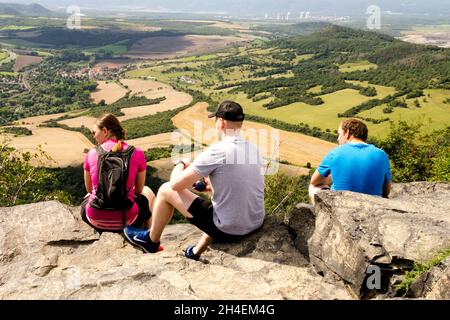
(312, 81)
(25, 10)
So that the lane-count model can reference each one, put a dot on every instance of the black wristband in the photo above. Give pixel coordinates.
(180, 161)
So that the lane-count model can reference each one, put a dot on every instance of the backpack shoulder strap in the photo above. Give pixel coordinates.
(100, 150)
(130, 150)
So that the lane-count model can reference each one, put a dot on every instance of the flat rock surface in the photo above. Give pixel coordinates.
(46, 252)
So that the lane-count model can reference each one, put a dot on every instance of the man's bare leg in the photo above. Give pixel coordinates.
(148, 193)
(165, 203)
(202, 244)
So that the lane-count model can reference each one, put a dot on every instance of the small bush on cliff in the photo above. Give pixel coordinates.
(282, 193)
(21, 182)
(417, 156)
(419, 269)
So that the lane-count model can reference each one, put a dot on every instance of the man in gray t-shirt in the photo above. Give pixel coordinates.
(232, 170)
(237, 182)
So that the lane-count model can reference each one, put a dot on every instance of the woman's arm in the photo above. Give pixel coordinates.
(140, 182)
(87, 181)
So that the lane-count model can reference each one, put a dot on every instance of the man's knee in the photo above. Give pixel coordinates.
(312, 190)
(148, 191)
(165, 191)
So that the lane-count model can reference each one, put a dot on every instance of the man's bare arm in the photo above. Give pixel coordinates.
(317, 179)
(183, 178)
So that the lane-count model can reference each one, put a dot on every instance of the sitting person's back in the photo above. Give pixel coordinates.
(238, 197)
(353, 166)
(358, 167)
(109, 134)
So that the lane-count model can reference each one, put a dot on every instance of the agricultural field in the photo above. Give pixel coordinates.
(151, 90)
(147, 88)
(323, 116)
(438, 35)
(108, 91)
(202, 76)
(25, 60)
(158, 140)
(7, 56)
(170, 47)
(3, 55)
(295, 148)
(304, 86)
(115, 49)
(433, 113)
(263, 79)
(357, 66)
(66, 148)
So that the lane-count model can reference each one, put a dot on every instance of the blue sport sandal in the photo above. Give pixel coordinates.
(189, 253)
(141, 238)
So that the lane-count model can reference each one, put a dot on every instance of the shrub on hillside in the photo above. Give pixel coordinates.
(417, 156)
(282, 193)
(18, 131)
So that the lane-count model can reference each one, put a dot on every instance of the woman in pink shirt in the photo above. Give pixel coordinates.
(109, 133)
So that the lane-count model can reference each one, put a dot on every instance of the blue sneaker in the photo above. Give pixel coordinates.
(189, 253)
(141, 238)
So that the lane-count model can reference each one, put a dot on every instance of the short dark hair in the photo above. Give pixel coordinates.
(356, 128)
(229, 110)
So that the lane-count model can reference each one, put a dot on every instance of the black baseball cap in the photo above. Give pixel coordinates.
(229, 110)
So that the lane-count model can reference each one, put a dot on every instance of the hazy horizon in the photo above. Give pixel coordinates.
(255, 8)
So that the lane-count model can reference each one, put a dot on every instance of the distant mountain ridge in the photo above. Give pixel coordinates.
(30, 10)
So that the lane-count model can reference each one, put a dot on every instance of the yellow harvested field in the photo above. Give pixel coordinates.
(108, 91)
(153, 89)
(156, 141)
(65, 147)
(33, 122)
(294, 147)
(148, 88)
(86, 121)
(293, 171)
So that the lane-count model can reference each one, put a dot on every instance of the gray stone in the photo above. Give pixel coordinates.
(301, 225)
(354, 231)
(46, 252)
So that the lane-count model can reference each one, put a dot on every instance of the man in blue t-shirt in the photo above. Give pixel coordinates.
(353, 166)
